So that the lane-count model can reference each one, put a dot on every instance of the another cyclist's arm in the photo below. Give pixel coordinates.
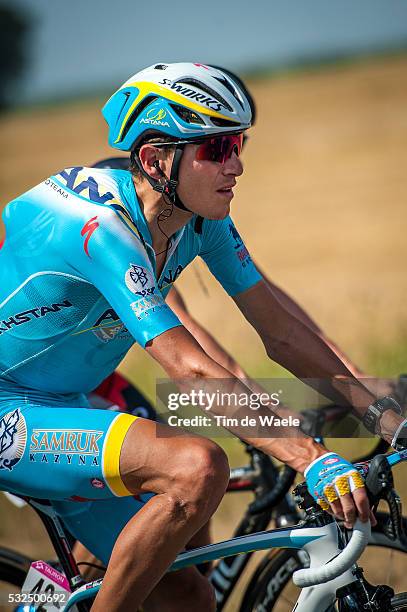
(299, 313)
(303, 352)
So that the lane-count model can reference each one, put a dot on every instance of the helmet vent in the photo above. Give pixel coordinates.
(139, 109)
(224, 123)
(230, 87)
(207, 90)
(187, 115)
(161, 67)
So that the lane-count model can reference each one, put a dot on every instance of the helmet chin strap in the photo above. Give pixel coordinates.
(169, 187)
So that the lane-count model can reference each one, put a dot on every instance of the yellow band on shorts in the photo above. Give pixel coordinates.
(111, 453)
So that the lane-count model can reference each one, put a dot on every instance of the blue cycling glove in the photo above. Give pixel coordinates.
(330, 477)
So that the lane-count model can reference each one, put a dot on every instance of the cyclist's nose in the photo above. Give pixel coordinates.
(233, 165)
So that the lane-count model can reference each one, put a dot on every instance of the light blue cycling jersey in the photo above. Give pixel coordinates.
(78, 284)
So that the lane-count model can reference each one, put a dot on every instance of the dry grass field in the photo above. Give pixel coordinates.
(321, 205)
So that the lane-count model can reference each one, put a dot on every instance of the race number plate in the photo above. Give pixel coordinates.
(45, 589)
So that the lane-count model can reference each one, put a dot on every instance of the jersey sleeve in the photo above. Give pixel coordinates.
(227, 257)
(113, 258)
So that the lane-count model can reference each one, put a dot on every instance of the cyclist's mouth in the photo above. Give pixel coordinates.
(226, 192)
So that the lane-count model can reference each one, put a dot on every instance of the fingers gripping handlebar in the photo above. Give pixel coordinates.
(379, 485)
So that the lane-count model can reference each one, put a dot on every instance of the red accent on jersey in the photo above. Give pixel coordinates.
(78, 498)
(111, 389)
(89, 228)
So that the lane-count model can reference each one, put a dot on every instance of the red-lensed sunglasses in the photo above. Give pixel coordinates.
(216, 149)
(219, 148)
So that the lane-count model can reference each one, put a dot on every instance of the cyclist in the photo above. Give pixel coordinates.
(88, 259)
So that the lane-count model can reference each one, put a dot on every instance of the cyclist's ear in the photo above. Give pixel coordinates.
(150, 157)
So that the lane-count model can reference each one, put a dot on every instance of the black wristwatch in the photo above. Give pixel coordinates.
(371, 418)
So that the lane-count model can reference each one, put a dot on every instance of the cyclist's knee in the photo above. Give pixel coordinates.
(190, 473)
(197, 481)
(202, 474)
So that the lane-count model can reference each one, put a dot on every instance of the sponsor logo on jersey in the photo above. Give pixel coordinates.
(105, 334)
(242, 253)
(13, 438)
(109, 326)
(81, 183)
(155, 117)
(28, 315)
(97, 483)
(236, 236)
(170, 277)
(87, 231)
(190, 93)
(56, 188)
(146, 305)
(139, 280)
(71, 446)
(243, 256)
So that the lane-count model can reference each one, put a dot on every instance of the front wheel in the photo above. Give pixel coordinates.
(13, 570)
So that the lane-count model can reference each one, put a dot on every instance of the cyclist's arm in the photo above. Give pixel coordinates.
(205, 339)
(185, 361)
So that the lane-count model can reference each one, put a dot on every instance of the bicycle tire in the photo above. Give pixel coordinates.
(13, 567)
(13, 571)
(399, 603)
(274, 573)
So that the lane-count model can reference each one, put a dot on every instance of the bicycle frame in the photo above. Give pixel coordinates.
(321, 543)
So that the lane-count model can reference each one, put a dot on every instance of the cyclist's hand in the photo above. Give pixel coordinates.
(338, 487)
(399, 440)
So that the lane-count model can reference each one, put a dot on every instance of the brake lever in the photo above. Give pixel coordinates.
(395, 528)
(379, 478)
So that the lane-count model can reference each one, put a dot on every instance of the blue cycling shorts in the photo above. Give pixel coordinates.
(61, 453)
(71, 457)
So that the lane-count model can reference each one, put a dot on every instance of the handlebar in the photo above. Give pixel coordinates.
(312, 421)
(347, 557)
(379, 484)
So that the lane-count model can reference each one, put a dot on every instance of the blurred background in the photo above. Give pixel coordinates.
(322, 202)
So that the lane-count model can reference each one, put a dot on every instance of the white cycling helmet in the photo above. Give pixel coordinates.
(184, 101)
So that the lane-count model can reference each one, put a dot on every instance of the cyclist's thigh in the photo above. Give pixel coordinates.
(61, 452)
